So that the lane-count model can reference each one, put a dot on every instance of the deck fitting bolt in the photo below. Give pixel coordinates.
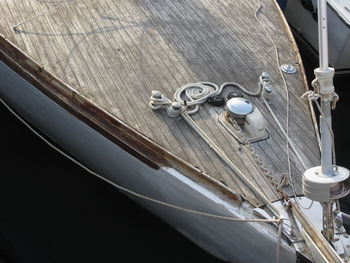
(288, 68)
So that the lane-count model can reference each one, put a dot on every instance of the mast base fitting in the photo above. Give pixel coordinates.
(325, 80)
(324, 188)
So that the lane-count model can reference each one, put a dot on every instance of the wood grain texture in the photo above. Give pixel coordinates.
(116, 52)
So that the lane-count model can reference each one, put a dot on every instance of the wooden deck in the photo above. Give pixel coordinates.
(116, 52)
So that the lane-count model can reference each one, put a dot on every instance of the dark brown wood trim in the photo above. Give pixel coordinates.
(110, 127)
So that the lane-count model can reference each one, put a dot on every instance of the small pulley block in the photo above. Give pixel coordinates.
(239, 108)
(217, 101)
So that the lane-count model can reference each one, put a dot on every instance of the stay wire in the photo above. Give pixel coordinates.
(291, 182)
(124, 189)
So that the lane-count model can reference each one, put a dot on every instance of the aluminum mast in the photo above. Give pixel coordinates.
(325, 183)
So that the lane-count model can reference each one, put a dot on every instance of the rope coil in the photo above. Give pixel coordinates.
(189, 97)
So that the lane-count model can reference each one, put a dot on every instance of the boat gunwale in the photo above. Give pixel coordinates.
(338, 13)
(112, 128)
(115, 130)
(302, 72)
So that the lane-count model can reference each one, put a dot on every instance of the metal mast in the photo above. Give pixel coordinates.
(324, 75)
(325, 183)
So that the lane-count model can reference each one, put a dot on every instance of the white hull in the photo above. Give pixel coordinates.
(304, 23)
(230, 241)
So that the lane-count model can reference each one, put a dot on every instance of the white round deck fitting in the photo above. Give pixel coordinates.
(174, 109)
(288, 68)
(239, 107)
(266, 91)
(317, 186)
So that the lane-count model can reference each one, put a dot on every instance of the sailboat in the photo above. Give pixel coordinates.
(302, 17)
(198, 110)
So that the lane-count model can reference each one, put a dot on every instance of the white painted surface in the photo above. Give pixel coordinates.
(338, 30)
(231, 241)
(342, 8)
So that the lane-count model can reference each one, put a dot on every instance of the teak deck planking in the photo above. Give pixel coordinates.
(116, 52)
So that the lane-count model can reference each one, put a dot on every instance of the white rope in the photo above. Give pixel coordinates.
(314, 96)
(124, 189)
(158, 101)
(192, 95)
(236, 85)
(285, 132)
(50, 10)
(202, 91)
(287, 98)
(196, 94)
(227, 160)
(242, 176)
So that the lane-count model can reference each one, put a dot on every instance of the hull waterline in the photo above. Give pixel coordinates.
(223, 239)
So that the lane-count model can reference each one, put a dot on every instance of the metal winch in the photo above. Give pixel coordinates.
(242, 112)
(238, 109)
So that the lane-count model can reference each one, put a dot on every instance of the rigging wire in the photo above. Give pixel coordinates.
(291, 182)
(314, 96)
(228, 84)
(124, 189)
(50, 10)
(286, 132)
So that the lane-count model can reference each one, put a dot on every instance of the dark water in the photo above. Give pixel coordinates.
(53, 211)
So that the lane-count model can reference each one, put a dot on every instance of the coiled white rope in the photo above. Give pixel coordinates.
(314, 96)
(196, 94)
(192, 95)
